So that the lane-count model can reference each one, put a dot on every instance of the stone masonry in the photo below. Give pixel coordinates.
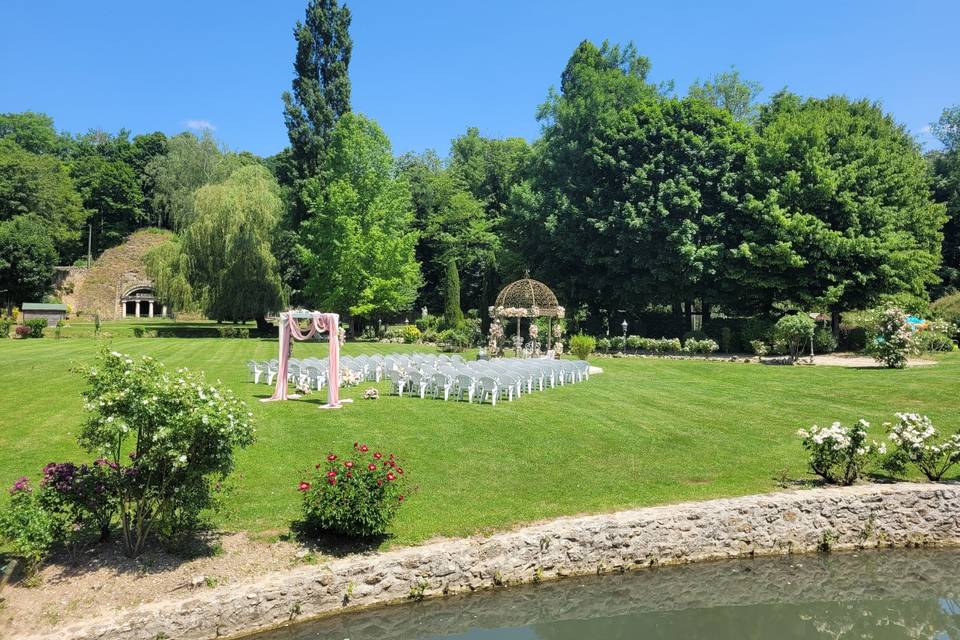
(902, 514)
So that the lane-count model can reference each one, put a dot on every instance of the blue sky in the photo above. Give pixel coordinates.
(427, 70)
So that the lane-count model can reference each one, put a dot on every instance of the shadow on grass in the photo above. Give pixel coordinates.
(330, 544)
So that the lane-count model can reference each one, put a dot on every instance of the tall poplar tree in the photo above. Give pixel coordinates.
(321, 87)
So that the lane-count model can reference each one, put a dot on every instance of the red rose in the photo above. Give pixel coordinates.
(400, 470)
(331, 474)
(372, 467)
(378, 455)
(331, 457)
(304, 486)
(348, 474)
(391, 477)
(348, 464)
(379, 482)
(332, 480)
(364, 448)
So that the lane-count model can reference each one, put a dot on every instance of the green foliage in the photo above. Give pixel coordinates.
(916, 441)
(947, 308)
(452, 313)
(454, 225)
(891, 338)
(840, 454)
(428, 321)
(111, 190)
(824, 341)
(842, 215)
(189, 163)
(27, 526)
(321, 86)
(759, 347)
(36, 326)
(410, 333)
(358, 244)
(728, 91)
(41, 187)
(938, 335)
(704, 346)
(166, 434)
(794, 331)
(33, 132)
(603, 344)
(27, 258)
(224, 263)
(356, 496)
(582, 345)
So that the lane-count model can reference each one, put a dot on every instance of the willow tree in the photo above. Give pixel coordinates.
(224, 262)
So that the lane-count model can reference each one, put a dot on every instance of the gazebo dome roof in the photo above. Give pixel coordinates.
(526, 298)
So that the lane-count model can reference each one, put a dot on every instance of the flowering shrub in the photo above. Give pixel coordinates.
(83, 499)
(760, 348)
(603, 344)
(891, 339)
(23, 331)
(164, 436)
(840, 454)
(937, 336)
(410, 333)
(704, 346)
(355, 496)
(27, 526)
(915, 440)
(36, 326)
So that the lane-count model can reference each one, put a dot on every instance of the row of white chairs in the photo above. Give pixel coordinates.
(486, 380)
(436, 375)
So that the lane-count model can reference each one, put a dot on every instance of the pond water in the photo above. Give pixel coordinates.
(875, 594)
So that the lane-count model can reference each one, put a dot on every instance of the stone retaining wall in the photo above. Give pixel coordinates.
(793, 522)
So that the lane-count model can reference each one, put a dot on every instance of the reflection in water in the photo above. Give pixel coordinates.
(877, 595)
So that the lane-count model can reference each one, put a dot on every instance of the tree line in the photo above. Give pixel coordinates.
(633, 198)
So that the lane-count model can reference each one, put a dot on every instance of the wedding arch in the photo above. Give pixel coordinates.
(289, 331)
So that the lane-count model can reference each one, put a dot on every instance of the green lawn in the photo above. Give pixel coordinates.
(644, 432)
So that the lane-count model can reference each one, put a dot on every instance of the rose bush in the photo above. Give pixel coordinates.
(355, 496)
(840, 454)
(27, 526)
(916, 441)
(891, 338)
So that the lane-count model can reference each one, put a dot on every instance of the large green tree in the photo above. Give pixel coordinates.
(41, 186)
(321, 87)
(111, 191)
(230, 271)
(452, 223)
(843, 217)
(729, 91)
(359, 240)
(33, 132)
(27, 258)
(945, 167)
(189, 163)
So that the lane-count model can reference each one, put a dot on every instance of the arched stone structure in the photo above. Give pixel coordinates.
(138, 301)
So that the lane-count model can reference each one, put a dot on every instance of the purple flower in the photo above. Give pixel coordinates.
(22, 484)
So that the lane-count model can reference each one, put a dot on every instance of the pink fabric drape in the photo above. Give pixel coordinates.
(289, 330)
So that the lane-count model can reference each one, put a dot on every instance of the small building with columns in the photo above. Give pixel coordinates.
(138, 301)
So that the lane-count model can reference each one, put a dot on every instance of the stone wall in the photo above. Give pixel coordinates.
(802, 521)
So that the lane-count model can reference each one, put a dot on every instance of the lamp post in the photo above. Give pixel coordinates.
(624, 326)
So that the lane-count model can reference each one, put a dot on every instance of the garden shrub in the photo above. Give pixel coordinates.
(581, 346)
(760, 348)
(703, 346)
(27, 526)
(852, 338)
(823, 341)
(634, 342)
(840, 454)
(37, 325)
(794, 331)
(891, 338)
(617, 343)
(410, 333)
(23, 331)
(356, 496)
(164, 435)
(603, 344)
(5, 323)
(938, 336)
(696, 334)
(138, 332)
(426, 322)
(916, 441)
